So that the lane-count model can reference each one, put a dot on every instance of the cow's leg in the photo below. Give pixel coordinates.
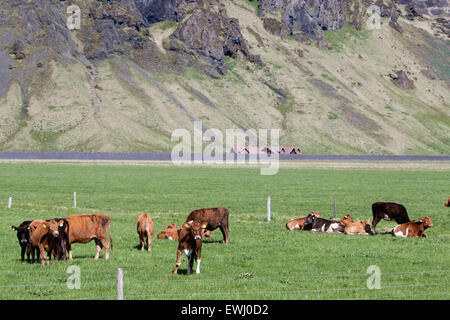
(191, 263)
(178, 261)
(28, 252)
(105, 245)
(98, 245)
(149, 242)
(141, 241)
(376, 219)
(23, 253)
(32, 254)
(224, 230)
(199, 259)
(42, 254)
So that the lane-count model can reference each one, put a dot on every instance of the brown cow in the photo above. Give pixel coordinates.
(358, 227)
(298, 223)
(171, 232)
(190, 243)
(145, 229)
(412, 229)
(43, 237)
(447, 202)
(214, 218)
(84, 228)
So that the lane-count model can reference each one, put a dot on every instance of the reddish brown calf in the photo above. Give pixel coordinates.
(190, 243)
(145, 229)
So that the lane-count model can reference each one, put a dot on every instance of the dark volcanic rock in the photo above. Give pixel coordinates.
(211, 35)
(402, 80)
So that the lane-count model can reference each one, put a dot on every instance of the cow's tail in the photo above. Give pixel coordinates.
(110, 238)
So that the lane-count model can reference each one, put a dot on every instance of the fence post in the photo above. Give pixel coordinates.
(119, 284)
(268, 208)
(335, 208)
(74, 199)
(9, 202)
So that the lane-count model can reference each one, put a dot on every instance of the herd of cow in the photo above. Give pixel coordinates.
(55, 236)
(380, 210)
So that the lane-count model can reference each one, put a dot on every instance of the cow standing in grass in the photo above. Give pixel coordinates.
(23, 235)
(190, 243)
(214, 218)
(45, 236)
(145, 229)
(388, 211)
(84, 228)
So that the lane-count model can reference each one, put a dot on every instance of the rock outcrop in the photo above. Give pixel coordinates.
(304, 18)
(210, 35)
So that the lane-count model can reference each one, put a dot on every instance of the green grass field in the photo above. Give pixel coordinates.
(263, 259)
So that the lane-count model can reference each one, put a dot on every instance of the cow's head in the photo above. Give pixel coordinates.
(53, 227)
(426, 222)
(195, 228)
(309, 219)
(347, 219)
(316, 213)
(22, 234)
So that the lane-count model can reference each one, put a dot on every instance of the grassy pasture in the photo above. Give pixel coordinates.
(262, 261)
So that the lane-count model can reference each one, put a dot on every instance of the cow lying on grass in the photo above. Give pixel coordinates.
(171, 232)
(145, 228)
(412, 228)
(298, 223)
(317, 224)
(358, 227)
(190, 243)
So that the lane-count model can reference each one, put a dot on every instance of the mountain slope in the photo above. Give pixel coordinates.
(125, 81)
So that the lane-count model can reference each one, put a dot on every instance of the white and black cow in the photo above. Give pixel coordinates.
(317, 224)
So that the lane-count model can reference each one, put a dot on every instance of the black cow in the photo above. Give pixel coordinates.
(388, 211)
(23, 235)
(62, 241)
(317, 224)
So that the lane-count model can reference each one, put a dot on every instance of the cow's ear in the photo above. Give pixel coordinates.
(44, 225)
(204, 226)
(13, 228)
(61, 224)
(186, 225)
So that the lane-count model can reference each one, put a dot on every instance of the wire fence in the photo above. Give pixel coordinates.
(430, 284)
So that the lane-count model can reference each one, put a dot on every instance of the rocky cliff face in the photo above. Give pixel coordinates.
(134, 62)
